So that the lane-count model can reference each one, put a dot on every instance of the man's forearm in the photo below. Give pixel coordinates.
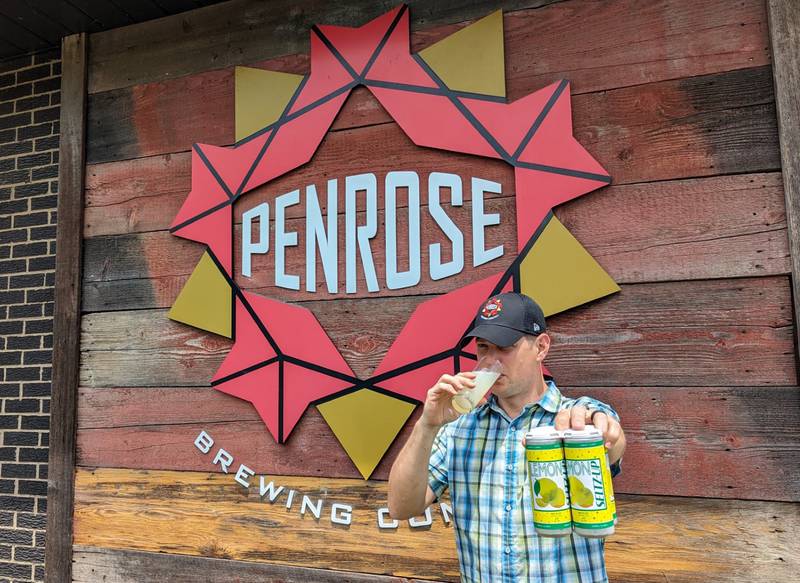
(408, 479)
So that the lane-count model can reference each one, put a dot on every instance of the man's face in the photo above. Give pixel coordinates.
(521, 363)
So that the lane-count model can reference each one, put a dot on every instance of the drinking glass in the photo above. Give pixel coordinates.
(486, 373)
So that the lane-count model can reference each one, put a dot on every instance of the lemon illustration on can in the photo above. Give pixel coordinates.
(581, 495)
(548, 493)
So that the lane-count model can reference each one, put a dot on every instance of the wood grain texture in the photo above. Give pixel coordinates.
(717, 227)
(144, 194)
(123, 196)
(676, 100)
(698, 333)
(236, 523)
(784, 25)
(659, 41)
(133, 257)
(203, 514)
(67, 313)
(93, 564)
(602, 45)
(737, 442)
(630, 46)
(234, 34)
(726, 226)
(708, 442)
(684, 330)
(621, 43)
(698, 126)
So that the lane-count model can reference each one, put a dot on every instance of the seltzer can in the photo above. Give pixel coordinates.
(594, 511)
(548, 482)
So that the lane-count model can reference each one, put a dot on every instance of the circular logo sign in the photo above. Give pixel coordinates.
(282, 360)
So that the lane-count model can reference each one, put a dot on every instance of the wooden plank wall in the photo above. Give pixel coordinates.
(66, 328)
(675, 99)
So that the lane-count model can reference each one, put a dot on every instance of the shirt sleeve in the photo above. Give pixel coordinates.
(594, 405)
(438, 463)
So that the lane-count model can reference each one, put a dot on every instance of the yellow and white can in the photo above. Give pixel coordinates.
(594, 510)
(548, 482)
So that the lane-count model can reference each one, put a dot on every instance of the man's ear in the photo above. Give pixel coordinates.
(543, 344)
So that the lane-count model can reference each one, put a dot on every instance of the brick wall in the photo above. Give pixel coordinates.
(29, 127)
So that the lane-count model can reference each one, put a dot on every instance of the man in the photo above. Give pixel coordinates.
(480, 456)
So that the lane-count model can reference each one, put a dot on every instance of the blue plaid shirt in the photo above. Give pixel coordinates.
(481, 458)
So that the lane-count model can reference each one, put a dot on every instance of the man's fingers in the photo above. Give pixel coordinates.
(578, 418)
(600, 421)
(441, 389)
(446, 388)
(460, 381)
(447, 379)
(452, 381)
(467, 379)
(562, 420)
(612, 434)
(452, 384)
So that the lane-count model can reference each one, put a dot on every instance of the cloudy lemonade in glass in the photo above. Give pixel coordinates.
(485, 377)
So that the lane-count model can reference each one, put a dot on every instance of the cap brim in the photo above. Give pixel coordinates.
(499, 335)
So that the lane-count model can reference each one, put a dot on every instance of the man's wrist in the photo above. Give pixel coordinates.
(428, 427)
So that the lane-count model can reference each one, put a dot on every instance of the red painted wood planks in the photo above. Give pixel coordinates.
(729, 226)
(733, 442)
(632, 46)
(659, 334)
(700, 126)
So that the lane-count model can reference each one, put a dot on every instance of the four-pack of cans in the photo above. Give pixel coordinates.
(570, 482)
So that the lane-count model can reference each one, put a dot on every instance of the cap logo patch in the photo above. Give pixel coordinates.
(492, 309)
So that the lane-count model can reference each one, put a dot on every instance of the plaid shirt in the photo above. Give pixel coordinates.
(481, 458)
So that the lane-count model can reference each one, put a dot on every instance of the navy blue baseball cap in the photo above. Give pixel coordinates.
(505, 318)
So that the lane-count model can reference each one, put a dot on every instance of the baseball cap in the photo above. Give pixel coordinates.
(505, 318)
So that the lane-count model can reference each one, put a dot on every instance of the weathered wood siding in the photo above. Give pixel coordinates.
(197, 513)
(674, 98)
(67, 317)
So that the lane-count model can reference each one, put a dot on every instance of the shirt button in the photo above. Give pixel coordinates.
(508, 507)
(508, 550)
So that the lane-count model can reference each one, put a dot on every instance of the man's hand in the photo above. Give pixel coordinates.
(579, 417)
(409, 492)
(438, 408)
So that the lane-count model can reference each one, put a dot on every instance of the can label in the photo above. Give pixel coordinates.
(589, 478)
(548, 487)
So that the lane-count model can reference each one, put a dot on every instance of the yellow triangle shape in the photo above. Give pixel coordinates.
(560, 274)
(205, 300)
(366, 423)
(261, 97)
(472, 59)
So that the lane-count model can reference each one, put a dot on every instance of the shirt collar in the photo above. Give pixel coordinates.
(550, 401)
